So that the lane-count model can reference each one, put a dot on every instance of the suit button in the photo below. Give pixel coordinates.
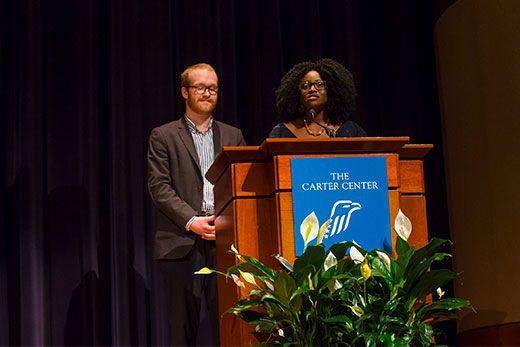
(199, 189)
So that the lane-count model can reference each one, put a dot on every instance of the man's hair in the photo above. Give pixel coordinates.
(185, 75)
(341, 91)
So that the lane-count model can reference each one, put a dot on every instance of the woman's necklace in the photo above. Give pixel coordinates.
(312, 133)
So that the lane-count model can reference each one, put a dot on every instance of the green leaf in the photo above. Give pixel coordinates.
(302, 274)
(345, 266)
(443, 305)
(401, 247)
(344, 321)
(430, 281)
(340, 249)
(387, 338)
(204, 271)
(250, 316)
(426, 334)
(313, 255)
(284, 287)
(430, 248)
(295, 302)
(276, 309)
(253, 266)
(416, 270)
(379, 269)
(425, 253)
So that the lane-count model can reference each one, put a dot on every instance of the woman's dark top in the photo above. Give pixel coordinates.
(347, 129)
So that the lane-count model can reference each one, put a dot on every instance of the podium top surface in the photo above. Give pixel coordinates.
(297, 146)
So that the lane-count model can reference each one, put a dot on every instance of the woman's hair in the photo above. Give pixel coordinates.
(341, 91)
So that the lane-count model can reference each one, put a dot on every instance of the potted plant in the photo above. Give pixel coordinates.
(346, 295)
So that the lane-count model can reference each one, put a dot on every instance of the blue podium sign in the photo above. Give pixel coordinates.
(352, 192)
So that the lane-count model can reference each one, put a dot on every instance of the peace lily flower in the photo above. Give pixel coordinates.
(280, 332)
(334, 285)
(384, 258)
(356, 255)
(402, 225)
(309, 229)
(235, 251)
(366, 271)
(330, 261)
(321, 232)
(440, 292)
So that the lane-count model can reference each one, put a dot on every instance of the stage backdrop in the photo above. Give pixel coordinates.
(82, 84)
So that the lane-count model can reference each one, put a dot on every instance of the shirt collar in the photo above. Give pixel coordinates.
(193, 128)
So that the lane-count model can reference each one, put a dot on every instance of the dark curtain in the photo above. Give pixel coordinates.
(83, 82)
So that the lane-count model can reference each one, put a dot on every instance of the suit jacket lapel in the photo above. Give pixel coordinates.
(186, 138)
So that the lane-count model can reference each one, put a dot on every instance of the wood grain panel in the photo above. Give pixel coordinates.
(393, 200)
(415, 151)
(336, 146)
(253, 179)
(286, 225)
(251, 225)
(411, 176)
(230, 326)
(223, 190)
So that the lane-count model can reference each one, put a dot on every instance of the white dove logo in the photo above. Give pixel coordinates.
(340, 216)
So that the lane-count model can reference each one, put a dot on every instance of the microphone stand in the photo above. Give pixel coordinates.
(329, 131)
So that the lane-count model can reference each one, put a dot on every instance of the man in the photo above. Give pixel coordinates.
(179, 154)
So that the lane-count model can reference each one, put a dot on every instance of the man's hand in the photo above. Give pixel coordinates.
(204, 227)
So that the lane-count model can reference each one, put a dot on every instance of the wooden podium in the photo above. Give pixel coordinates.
(253, 203)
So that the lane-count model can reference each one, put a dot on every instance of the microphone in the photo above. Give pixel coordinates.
(330, 132)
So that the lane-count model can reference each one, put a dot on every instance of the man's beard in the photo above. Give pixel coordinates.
(201, 106)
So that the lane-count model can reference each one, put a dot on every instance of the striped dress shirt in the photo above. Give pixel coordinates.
(206, 152)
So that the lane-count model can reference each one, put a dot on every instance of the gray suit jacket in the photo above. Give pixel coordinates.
(175, 182)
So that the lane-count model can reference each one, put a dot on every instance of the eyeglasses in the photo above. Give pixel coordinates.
(202, 89)
(318, 84)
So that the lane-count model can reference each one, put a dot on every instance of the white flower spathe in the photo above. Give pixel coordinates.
(384, 258)
(330, 261)
(322, 231)
(309, 228)
(440, 292)
(356, 255)
(334, 285)
(402, 225)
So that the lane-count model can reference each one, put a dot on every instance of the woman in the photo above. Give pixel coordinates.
(315, 99)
